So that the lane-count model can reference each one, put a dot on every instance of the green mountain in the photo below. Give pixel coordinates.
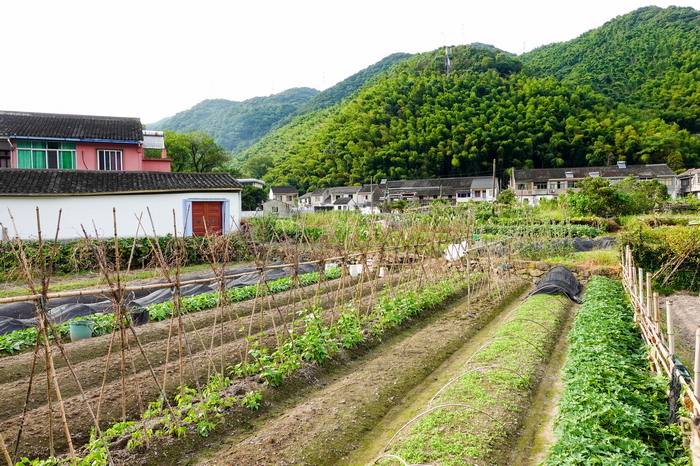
(349, 86)
(427, 117)
(236, 125)
(649, 59)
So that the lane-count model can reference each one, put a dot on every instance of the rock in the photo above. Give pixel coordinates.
(536, 273)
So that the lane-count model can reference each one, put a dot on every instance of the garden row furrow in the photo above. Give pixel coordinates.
(472, 418)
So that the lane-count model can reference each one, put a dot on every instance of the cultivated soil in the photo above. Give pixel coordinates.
(327, 422)
(88, 362)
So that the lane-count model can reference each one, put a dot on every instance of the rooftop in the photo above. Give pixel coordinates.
(71, 127)
(284, 190)
(608, 171)
(15, 182)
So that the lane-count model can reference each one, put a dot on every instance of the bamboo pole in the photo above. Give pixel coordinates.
(669, 329)
(640, 289)
(648, 294)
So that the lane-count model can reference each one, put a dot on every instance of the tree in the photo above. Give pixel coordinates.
(643, 195)
(195, 152)
(252, 198)
(506, 197)
(597, 196)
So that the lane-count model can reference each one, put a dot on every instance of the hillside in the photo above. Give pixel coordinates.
(350, 85)
(419, 120)
(649, 58)
(237, 125)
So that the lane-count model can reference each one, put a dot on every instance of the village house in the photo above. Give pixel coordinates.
(79, 142)
(453, 190)
(689, 183)
(201, 202)
(533, 185)
(288, 194)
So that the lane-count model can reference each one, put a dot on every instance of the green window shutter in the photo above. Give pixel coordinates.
(24, 158)
(67, 160)
(24, 144)
(38, 159)
(68, 145)
(38, 144)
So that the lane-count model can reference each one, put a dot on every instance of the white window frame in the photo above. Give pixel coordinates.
(46, 150)
(119, 160)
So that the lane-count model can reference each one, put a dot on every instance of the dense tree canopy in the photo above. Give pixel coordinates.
(649, 58)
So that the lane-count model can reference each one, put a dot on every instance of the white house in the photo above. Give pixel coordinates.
(533, 185)
(288, 194)
(195, 202)
(689, 183)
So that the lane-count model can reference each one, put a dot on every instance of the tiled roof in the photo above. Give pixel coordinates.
(610, 171)
(455, 182)
(80, 127)
(76, 182)
(344, 190)
(689, 172)
(284, 190)
(342, 201)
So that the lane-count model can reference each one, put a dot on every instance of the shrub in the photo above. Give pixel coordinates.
(74, 256)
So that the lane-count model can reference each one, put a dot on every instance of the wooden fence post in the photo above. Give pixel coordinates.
(640, 289)
(648, 300)
(669, 329)
(657, 317)
(696, 387)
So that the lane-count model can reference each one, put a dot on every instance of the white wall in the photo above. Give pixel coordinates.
(77, 210)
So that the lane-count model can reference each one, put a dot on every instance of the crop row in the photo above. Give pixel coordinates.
(315, 341)
(612, 410)
(550, 230)
(471, 418)
(103, 323)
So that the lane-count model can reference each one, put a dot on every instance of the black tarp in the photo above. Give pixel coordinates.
(559, 280)
(17, 316)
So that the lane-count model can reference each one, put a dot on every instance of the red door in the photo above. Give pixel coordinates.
(209, 214)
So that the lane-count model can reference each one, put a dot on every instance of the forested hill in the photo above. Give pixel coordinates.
(237, 125)
(649, 58)
(350, 85)
(424, 117)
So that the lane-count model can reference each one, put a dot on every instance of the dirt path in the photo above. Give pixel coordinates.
(330, 422)
(537, 433)
(686, 318)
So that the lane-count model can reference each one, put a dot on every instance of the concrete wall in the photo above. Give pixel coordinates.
(77, 210)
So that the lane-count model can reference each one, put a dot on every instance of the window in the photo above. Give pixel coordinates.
(4, 159)
(110, 160)
(462, 195)
(46, 154)
(522, 186)
(540, 185)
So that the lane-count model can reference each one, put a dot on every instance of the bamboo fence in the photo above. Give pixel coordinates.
(662, 343)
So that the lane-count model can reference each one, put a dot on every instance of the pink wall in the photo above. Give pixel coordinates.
(132, 157)
(86, 155)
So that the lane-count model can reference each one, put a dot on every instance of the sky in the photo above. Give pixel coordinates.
(153, 58)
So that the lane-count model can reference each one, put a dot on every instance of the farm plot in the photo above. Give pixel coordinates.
(473, 417)
(613, 410)
(212, 361)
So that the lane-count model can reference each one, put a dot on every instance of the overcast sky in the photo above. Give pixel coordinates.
(152, 58)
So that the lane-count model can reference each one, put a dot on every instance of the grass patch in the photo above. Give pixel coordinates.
(613, 410)
(588, 259)
(474, 415)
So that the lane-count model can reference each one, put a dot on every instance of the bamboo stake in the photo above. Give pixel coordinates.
(648, 294)
(669, 329)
